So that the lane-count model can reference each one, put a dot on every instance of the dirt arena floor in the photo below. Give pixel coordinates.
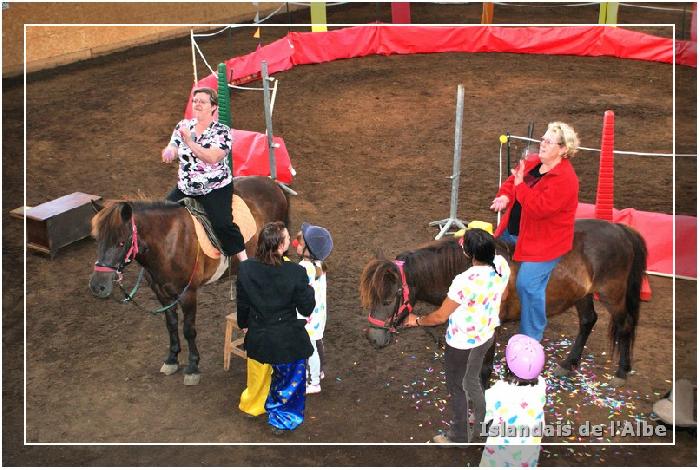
(372, 141)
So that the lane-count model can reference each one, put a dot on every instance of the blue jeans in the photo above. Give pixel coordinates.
(507, 237)
(531, 285)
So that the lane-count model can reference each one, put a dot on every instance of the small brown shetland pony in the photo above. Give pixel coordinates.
(161, 237)
(606, 258)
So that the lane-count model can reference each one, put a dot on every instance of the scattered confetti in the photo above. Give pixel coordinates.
(571, 400)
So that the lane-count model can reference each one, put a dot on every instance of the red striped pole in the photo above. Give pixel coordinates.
(606, 173)
(606, 182)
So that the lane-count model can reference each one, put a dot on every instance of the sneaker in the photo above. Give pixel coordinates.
(446, 439)
(323, 376)
(442, 439)
(311, 389)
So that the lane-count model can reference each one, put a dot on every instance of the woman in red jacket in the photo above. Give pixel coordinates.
(540, 200)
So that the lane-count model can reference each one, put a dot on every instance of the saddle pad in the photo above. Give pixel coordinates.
(244, 218)
(241, 216)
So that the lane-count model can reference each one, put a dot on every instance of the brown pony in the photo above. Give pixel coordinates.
(161, 237)
(606, 258)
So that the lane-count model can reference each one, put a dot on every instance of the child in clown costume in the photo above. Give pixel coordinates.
(270, 293)
(314, 244)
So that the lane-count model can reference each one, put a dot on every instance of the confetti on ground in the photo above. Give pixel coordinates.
(572, 400)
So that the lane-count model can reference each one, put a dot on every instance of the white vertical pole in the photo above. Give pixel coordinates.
(446, 224)
(194, 57)
(456, 166)
(268, 120)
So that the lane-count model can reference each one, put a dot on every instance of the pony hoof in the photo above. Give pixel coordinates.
(618, 382)
(169, 369)
(192, 379)
(560, 371)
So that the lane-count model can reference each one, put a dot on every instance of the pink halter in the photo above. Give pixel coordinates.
(130, 254)
(389, 323)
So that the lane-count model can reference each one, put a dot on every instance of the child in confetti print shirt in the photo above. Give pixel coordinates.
(314, 244)
(471, 309)
(516, 408)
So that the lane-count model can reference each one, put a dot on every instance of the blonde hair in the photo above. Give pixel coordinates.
(566, 135)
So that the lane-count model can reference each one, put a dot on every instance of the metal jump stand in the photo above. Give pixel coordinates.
(446, 224)
(268, 124)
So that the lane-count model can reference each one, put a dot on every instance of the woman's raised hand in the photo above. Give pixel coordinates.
(518, 173)
(185, 134)
(168, 154)
(500, 203)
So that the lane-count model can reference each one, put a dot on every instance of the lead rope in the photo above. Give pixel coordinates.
(129, 296)
(172, 304)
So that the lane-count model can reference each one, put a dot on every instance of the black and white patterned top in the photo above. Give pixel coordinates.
(197, 177)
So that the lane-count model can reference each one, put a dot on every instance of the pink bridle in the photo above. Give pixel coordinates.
(128, 258)
(405, 303)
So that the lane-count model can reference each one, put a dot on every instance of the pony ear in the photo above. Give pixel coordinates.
(126, 211)
(97, 204)
(379, 253)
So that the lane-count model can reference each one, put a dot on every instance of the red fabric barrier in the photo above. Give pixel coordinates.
(657, 230)
(278, 54)
(251, 157)
(570, 40)
(315, 48)
(687, 53)
(360, 41)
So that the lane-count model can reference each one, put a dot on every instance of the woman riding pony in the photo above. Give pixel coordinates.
(540, 201)
(201, 146)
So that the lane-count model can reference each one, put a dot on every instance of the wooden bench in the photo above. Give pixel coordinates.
(55, 224)
(233, 340)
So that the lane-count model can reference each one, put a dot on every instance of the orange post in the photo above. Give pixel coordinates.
(487, 13)
(645, 291)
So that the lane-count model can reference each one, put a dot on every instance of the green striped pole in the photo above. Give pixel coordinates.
(224, 104)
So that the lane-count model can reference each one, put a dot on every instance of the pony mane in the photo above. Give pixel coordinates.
(431, 265)
(108, 224)
(373, 282)
(434, 264)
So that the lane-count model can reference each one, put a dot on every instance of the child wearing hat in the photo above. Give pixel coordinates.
(516, 407)
(313, 245)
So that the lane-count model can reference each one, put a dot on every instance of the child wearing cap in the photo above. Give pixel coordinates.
(516, 407)
(313, 245)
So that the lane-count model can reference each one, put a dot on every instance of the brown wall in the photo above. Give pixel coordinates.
(50, 46)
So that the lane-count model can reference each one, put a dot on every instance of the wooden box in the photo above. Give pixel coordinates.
(55, 224)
